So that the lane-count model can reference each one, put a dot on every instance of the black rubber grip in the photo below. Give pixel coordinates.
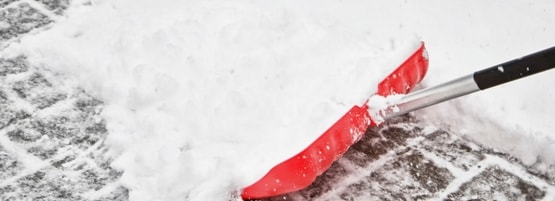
(515, 69)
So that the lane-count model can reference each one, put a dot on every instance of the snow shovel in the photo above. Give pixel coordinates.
(302, 169)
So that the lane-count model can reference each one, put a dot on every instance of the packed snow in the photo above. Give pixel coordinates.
(380, 107)
(203, 97)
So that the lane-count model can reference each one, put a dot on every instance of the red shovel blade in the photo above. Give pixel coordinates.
(301, 170)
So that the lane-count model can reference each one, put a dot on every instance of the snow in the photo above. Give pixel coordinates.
(4, 25)
(379, 106)
(502, 70)
(203, 97)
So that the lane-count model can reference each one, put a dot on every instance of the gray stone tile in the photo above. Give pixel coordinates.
(38, 91)
(69, 136)
(45, 137)
(324, 183)
(497, 184)
(378, 141)
(9, 166)
(10, 115)
(3, 97)
(42, 185)
(411, 171)
(13, 65)
(56, 6)
(4, 3)
(411, 177)
(87, 103)
(97, 178)
(118, 194)
(70, 139)
(19, 20)
(461, 154)
(23, 134)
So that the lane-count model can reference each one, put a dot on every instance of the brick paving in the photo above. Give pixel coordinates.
(401, 160)
(52, 144)
(51, 133)
(51, 139)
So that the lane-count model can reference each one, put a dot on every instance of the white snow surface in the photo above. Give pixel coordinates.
(203, 97)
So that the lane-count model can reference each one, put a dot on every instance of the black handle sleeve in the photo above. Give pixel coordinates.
(515, 69)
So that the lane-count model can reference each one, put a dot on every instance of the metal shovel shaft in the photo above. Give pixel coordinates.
(479, 80)
(431, 96)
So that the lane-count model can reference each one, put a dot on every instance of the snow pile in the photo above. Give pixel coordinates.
(203, 97)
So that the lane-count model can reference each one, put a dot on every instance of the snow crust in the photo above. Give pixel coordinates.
(203, 97)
